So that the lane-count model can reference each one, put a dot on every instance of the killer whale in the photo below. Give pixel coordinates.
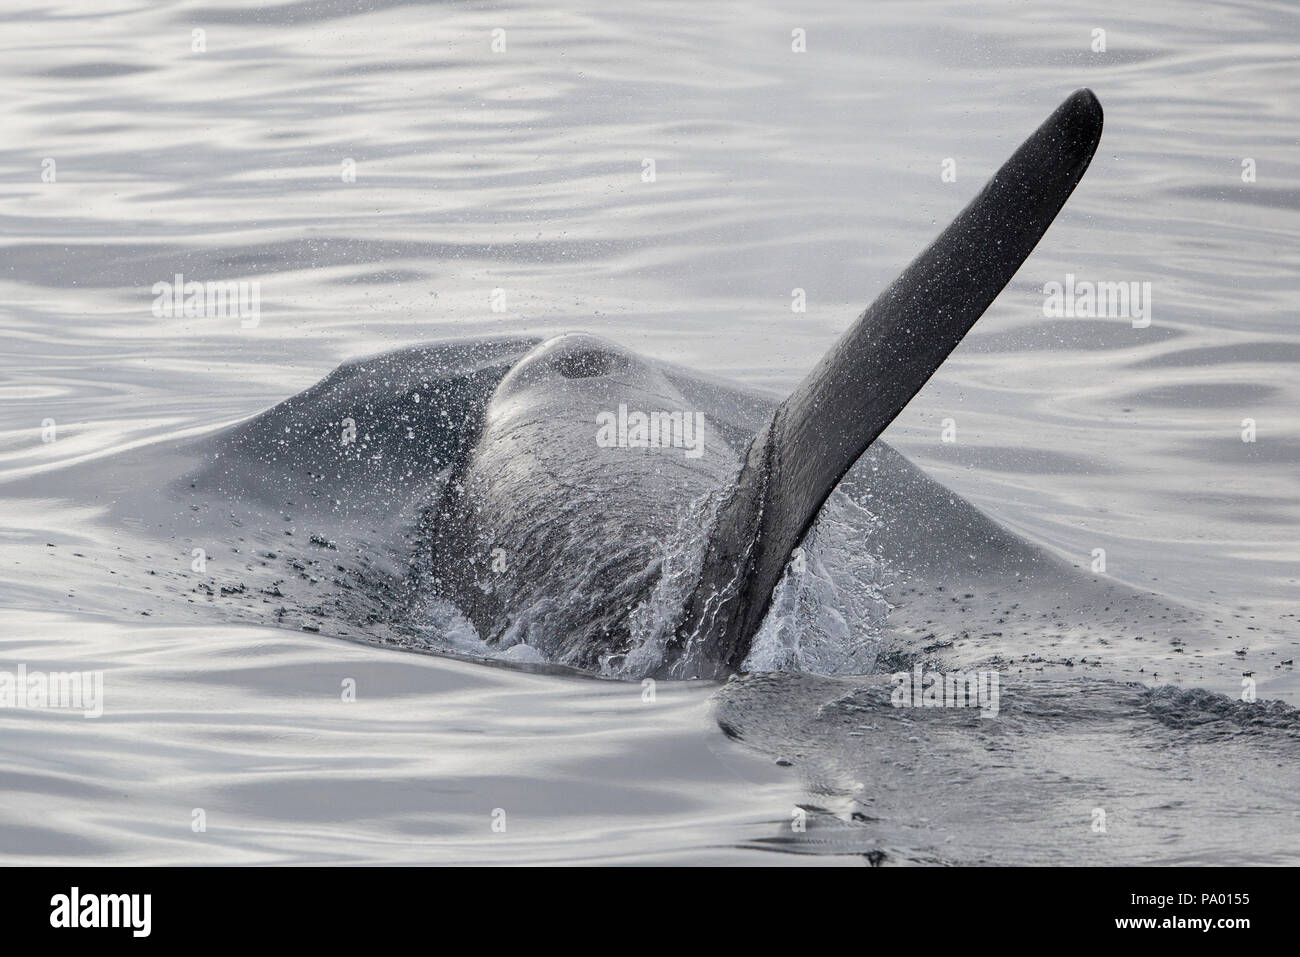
(469, 475)
(520, 489)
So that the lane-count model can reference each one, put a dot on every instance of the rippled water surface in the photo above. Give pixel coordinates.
(388, 177)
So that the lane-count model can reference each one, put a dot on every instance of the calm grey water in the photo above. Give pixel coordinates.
(387, 177)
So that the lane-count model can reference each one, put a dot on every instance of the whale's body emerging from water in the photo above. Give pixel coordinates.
(592, 504)
(572, 461)
(539, 487)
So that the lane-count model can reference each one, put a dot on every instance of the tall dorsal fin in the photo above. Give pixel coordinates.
(867, 378)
